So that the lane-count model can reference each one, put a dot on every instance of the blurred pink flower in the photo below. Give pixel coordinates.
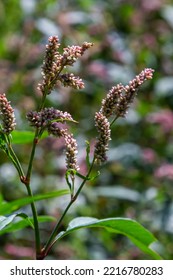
(164, 118)
(148, 155)
(150, 6)
(164, 171)
(149, 41)
(19, 252)
(98, 69)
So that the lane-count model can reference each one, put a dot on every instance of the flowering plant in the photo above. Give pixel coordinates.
(54, 122)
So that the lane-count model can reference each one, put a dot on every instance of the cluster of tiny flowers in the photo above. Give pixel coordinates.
(6, 115)
(46, 116)
(69, 80)
(51, 54)
(51, 66)
(71, 152)
(72, 53)
(116, 103)
(55, 62)
(57, 131)
(131, 91)
(70, 144)
(120, 97)
(110, 103)
(103, 127)
(52, 119)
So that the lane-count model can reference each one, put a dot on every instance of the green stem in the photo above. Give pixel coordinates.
(27, 184)
(14, 158)
(112, 122)
(28, 178)
(29, 171)
(51, 239)
(26, 181)
(36, 225)
(16, 162)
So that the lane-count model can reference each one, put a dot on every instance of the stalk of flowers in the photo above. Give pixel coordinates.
(69, 80)
(70, 144)
(131, 91)
(52, 119)
(116, 103)
(6, 115)
(110, 103)
(72, 53)
(43, 118)
(57, 131)
(71, 152)
(120, 97)
(55, 62)
(103, 127)
(51, 65)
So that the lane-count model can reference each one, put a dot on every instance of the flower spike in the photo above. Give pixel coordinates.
(6, 115)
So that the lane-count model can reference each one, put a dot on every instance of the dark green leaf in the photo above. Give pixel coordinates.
(140, 236)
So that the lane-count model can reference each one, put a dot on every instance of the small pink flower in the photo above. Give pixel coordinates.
(164, 171)
(164, 118)
(148, 155)
(98, 69)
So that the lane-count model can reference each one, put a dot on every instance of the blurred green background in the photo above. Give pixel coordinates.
(136, 182)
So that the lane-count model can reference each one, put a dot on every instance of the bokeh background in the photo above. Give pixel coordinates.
(136, 182)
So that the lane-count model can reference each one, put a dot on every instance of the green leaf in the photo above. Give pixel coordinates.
(82, 176)
(4, 221)
(11, 225)
(69, 173)
(24, 137)
(7, 222)
(3, 143)
(94, 176)
(27, 219)
(140, 236)
(9, 207)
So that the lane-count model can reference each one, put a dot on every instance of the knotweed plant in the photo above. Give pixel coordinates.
(57, 124)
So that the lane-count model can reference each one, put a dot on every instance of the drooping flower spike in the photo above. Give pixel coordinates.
(115, 104)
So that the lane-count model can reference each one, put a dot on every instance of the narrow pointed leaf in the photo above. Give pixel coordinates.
(26, 221)
(9, 207)
(7, 222)
(24, 137)
(4, 221)
(140, 236)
